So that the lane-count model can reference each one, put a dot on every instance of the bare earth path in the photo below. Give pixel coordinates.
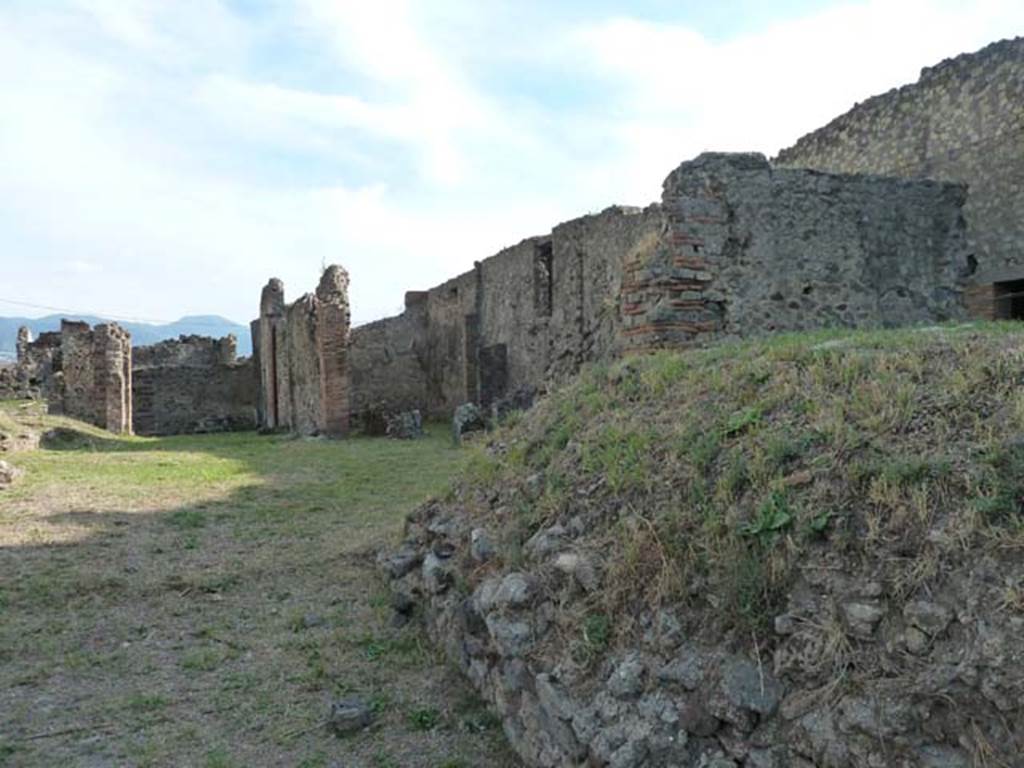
(199, 601)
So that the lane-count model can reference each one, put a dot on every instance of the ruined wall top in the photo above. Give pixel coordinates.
(1001, 60)
(333, 284)
(189, 350)
(112, 331)
(272, 298)
(75, 327)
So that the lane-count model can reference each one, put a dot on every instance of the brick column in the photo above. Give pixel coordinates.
(332, 331)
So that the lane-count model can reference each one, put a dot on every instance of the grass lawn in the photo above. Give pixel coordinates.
(200, 601)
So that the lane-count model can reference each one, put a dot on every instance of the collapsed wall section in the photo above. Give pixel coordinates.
(192, 384)
(962, 121)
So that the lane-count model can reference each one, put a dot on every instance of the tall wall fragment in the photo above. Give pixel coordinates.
(303, 358)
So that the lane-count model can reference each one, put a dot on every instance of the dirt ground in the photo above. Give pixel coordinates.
(201, 601)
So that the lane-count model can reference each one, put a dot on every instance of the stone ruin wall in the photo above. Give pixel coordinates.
(752, 249)
(737, 248)
(533, 312)
(193, 384)
(301, 352)
(388, 359)
(83, 372)
(962, 121)
(30, 375)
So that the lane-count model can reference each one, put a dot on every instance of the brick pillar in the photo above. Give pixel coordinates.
(112, 362)
(332, 332)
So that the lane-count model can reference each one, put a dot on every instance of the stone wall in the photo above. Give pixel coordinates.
(962, 121)
(193, 384)
(736, 248)
(751, 249)
(531, 313)
(86, 373)
(301, 353)
(32, 373)
(14, 384)
(388, 360)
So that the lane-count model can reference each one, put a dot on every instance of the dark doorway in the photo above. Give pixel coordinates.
(1009, 300)
(493, 373)
(543, 279)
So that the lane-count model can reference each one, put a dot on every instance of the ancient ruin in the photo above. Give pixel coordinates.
(24, 379)
(302, 352)
(83, 372)
(193, 384)
(962, 121)
(736, 248)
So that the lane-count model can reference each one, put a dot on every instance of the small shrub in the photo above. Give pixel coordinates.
(913, 471)
(380, 703)
(201, 660)
(620, 455)
(597, 630)
(701, 448)
(772, 516)
(742, 420)
(735, 475)
(424, 719)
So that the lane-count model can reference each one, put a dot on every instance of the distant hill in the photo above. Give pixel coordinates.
(142, 333)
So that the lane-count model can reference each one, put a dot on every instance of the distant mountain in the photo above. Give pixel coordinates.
(143, 334)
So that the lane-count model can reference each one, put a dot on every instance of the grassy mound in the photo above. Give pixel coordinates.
(708, 480)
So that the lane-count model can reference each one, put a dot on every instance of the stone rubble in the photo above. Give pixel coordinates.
(670, 700)
(467, 418)
(407, 425)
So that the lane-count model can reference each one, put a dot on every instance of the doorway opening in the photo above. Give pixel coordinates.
(1009, 300)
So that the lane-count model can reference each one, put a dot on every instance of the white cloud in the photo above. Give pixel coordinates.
(135, 136)
(684, 93)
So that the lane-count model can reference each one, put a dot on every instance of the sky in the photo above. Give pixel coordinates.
(161, 158)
